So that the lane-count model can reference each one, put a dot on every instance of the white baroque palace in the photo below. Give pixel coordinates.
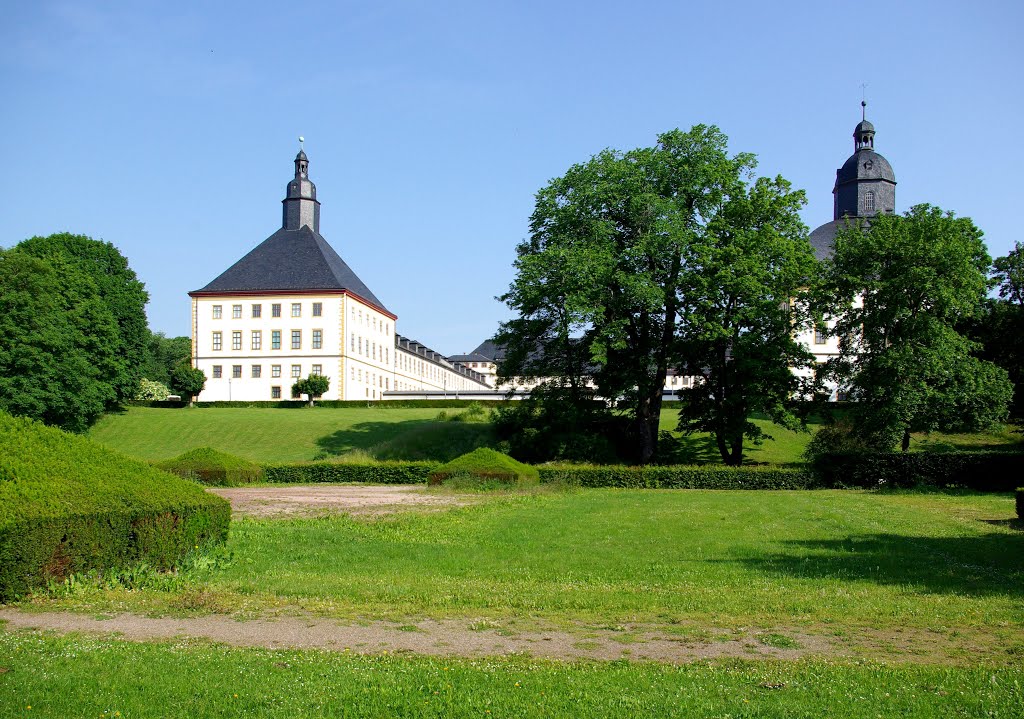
(292, 307)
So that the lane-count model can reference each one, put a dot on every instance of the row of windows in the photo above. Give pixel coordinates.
(369, 320)
(256, 310)
(367, 348)
(256, 340)
(256, 370)
(372, 378)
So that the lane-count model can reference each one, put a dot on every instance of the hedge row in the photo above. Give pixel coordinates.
(68, 505)
(214, 468)
(326, 403)
(681, 477)
(984, 471)
(330, 472)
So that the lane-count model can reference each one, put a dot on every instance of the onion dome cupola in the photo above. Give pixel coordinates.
(300, 204)
(865, 184)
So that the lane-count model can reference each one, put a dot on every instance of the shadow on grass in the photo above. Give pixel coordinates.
(986, 565)
(410, 440)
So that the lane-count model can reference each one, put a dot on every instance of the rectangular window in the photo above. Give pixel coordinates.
(216, 341)
(317, 369)
(218, 371)
(275, 339)
(374, 345)
(353, 340)
(296, 309)
(296, 371)
(257, 311)
(353, 372)
(236, 340)
(275, 393)
(275, 310)
(216, 312)
(275, 370)
(236, 371)
(318, 339)
(257, 371)
(257, 340)
(360, 345)
(236, 312)
(819, 335)
(296, 339)
(318, 309)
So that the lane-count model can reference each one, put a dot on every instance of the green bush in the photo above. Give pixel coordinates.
(68, 505)
(344, 473)
(680, 477)
(985, 471)
(487, 464)
(209, 466)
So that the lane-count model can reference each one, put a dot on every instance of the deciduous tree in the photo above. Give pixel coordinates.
(314, 387)
(188, 381)
(899, 289)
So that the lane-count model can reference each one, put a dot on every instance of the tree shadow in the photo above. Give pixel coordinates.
(688, 449)
(409, 440)
(977, 566)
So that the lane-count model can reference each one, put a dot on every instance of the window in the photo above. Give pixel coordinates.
(216, 312)
(275, 339)
(869, 203)
(819, 335)
(296, 370)
(296, 309)
(216, 341)
(353, 339)
(374, 345)
(275, 310)
(257, 311)
(218, 371)
(236, 371)
(318, 339)
(275, 393)
(353, 372)
(236, 312)
(236, 340)
(296, 339)
(275, 370)
(318, 309)
(257, 371)
(257, 340)
(317, 370)
(360, 345)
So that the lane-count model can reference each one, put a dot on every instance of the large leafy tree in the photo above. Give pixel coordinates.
(899, 289)
(121, 291)
(1001, 328)
(612, 284)
(315, 386)
(163, 354)
(58, 342)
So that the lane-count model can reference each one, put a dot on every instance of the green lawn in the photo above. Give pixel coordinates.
(60, 677)
(287, 435)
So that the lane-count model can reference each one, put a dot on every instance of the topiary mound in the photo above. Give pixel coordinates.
(486, 464)
(68, 505)
(209, 466)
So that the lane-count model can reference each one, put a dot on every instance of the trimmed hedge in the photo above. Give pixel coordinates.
(326, 403)
(681, 477)
(335, 472)
(984, 471)
(68, 505)
(486, 463)
(211, 467)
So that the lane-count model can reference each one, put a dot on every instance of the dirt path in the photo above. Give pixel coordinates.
(462, 638)
(304, 501)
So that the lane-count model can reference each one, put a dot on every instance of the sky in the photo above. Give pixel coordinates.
(170, 129)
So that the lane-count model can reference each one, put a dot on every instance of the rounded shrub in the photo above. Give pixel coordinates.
(486, 466)
(209, 466)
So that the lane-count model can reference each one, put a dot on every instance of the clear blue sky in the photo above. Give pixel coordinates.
(169, 129)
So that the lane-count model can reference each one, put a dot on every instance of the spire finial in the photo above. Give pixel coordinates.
(863, 101)
(301, 140)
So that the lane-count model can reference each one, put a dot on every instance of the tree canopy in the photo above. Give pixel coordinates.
(58, 341)
(314, 387)
(898, 289)
(662, 258)
(119, 288)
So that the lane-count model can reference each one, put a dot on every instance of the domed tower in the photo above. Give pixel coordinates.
(865, 185)
(300, 203)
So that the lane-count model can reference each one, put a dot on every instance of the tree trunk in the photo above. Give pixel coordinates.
(648, 420)
(905, 446)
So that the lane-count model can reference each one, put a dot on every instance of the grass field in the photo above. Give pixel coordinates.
(60, 677)
(920, 594)
(285, 435)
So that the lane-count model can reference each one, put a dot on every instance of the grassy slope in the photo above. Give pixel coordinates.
(285, 435)
(62, 677)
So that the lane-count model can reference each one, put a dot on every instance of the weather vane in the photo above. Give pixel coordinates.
(863, 100)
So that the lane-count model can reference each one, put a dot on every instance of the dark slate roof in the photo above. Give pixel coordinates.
(823, 238)
(490, 351)
(471, 357)
(865, 165)
(292, 260)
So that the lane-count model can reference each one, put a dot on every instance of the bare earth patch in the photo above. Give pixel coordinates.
(310, 501)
